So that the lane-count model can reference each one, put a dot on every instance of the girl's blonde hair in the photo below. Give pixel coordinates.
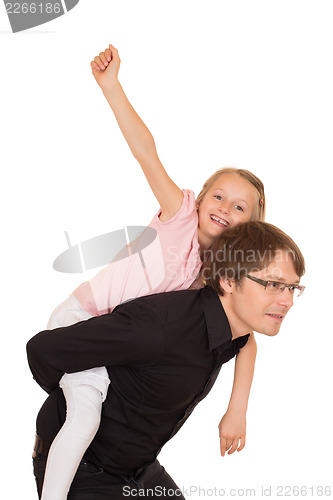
(259, 212)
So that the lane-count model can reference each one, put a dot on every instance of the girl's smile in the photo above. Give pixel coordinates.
(220, 222)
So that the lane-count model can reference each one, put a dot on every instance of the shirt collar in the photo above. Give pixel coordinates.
(218, 327)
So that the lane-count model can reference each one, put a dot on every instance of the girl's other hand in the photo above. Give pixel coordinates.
(105, 68)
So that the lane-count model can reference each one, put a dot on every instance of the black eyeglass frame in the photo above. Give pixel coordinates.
(291, 288)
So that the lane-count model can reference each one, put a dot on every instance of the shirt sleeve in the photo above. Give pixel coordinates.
(131, 335)
(186, 217)
(178, 237)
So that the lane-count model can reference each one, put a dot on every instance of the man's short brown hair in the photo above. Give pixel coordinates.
(246, 248)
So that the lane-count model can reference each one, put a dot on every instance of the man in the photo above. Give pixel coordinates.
(163, 354)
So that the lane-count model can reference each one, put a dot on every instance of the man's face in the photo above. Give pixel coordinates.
(251, 307)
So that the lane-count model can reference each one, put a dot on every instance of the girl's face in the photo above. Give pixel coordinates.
(229, 201)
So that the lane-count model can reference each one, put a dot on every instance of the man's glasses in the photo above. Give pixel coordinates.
(276, 287)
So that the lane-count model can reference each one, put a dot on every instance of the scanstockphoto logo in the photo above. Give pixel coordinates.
(25, 15)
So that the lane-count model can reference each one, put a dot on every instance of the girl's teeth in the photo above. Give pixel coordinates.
(219, 221)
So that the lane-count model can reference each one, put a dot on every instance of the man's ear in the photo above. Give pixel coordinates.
(227, 285)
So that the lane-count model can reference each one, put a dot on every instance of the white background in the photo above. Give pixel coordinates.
(219, 83)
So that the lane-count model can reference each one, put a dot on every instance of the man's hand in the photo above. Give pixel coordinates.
(232, 429)
(105, 68)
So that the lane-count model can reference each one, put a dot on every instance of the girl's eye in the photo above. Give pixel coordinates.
(218, 197)
(239, 208)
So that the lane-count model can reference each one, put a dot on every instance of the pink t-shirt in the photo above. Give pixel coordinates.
(155, 262)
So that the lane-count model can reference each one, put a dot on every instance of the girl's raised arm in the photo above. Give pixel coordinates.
(105, 68)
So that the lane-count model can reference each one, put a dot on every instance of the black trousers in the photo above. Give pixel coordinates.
(93, 483)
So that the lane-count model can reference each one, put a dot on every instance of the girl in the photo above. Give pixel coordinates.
(186, 228)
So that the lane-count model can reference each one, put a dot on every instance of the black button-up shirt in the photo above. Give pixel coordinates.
(163, 353)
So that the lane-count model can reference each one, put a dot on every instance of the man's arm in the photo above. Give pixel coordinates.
(130, 335)
(232, 427)
(105, 68)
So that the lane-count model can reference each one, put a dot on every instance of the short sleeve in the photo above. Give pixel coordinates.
(185, 219)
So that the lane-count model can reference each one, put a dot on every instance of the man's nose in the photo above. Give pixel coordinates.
(286, 298)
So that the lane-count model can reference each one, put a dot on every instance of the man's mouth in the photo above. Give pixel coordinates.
(219, 221)
(277, 317)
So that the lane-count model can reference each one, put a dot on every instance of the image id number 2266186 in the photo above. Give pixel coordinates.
(32, 8)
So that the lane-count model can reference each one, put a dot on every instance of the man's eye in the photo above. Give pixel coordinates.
(273, 285)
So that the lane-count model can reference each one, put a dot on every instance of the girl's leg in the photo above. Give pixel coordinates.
(84, 405)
